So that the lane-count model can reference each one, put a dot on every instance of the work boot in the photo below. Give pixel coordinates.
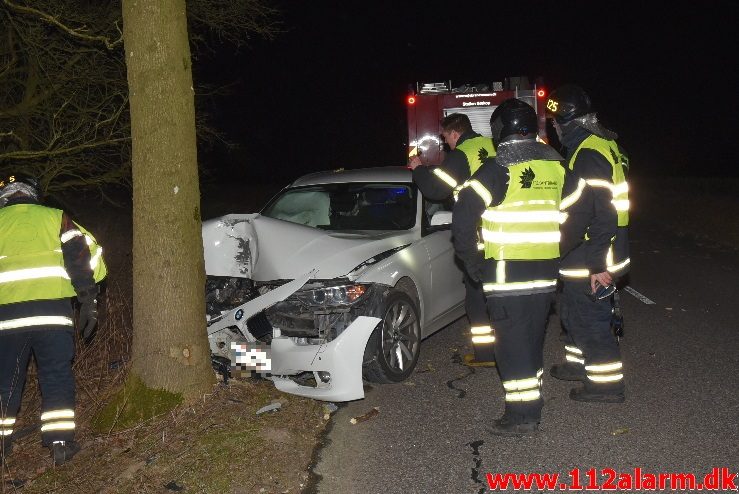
(568, 372)
(581, 394)
(63, 451)
(513, 427)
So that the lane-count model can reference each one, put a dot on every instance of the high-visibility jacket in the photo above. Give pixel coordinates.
(617, 259)
(31, 259)
(521, 233)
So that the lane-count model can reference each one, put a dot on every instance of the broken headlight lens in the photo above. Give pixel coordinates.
(331, 295)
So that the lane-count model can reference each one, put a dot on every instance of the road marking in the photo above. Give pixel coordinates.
(638, 295)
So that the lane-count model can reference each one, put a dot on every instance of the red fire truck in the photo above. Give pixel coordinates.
(428, 103)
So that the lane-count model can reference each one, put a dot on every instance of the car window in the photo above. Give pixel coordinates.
(352, 206)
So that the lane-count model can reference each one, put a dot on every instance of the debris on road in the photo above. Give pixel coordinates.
(372, 413)
(272, 407)
(328, 409)
(620, 431)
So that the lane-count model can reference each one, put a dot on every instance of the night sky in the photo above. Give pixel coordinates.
(330, 91)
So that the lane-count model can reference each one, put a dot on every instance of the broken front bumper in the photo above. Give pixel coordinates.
(336, 365)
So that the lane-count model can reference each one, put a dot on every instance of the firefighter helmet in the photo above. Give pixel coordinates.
(513, 118)
(567, 103)
(18, 183)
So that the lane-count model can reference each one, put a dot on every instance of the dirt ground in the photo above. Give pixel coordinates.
(218, 445)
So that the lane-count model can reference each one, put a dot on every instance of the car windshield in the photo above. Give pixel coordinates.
(347, 206)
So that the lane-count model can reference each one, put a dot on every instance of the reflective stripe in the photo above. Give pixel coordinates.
(481, 330)
(66, 413)
(500, 272)
(621, 204)
(445, 177)
(532, 395)
(575, 273)
(572, 358)
(572, 198)
(606, 379)
(486, 196)
(604, 367)
(6, 432)
(604, 373)
(616, 190)
(533, 202)
(539, 373)
(499, 216)
(573, 349)
(605, 184)
(480, 246)
(88, 240)
(9, 421)
(33, 273)
(69, 235)
(36, 321)
(521, 285)
(58, 426)
(619, 266)
(483, 339)
(521, 384)
(95, 260)
(621, 188)
(521, 238)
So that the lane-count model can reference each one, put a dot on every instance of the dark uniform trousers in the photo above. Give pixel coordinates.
(588, 327)
(53, 349)
(474, 302)
(520, 322)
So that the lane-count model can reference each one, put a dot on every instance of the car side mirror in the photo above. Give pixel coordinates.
(441, 218)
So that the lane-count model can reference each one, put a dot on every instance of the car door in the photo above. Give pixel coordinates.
(447, 288)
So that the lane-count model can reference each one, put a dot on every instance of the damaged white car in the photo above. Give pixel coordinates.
(340, 276)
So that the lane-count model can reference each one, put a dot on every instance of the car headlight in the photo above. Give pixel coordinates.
(332, 295)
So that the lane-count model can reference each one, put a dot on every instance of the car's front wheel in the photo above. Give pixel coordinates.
(393, 349)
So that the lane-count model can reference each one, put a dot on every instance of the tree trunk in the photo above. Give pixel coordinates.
(170, 346)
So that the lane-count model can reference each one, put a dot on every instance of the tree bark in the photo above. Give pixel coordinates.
(170, 346)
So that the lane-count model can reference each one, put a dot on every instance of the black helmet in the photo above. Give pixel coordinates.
(567, 103)
(513, 118)
(18, 183)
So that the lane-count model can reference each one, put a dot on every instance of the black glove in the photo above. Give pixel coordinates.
(88, 311)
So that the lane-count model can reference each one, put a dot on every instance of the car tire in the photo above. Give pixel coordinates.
(394, 346)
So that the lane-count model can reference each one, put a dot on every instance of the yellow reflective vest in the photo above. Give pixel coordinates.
(31, 260)
(617, 256)
(476, 150)
(619, 187)
(525, 225)
(521, 234)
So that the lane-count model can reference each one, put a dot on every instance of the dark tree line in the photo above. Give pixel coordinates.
(64, 100)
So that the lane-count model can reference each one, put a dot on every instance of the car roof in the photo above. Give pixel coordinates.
(377, 174)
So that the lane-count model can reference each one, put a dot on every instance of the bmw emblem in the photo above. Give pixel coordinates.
(239, 314)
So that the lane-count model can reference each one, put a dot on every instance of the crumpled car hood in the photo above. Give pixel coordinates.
(265, 249)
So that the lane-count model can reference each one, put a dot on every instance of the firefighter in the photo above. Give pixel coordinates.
(602, 255)
(467, 150)
(45, 258)
(517, 197)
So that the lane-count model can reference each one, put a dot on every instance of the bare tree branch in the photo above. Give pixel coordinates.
(76, 32)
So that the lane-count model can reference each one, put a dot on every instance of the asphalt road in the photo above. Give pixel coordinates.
(681, 359)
